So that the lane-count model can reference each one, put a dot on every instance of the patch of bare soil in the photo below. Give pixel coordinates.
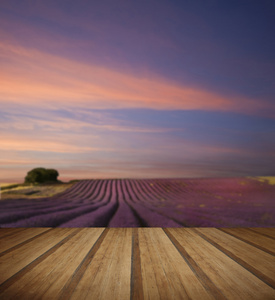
(35, 191)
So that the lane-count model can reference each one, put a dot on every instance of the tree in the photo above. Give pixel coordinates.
(41, 175)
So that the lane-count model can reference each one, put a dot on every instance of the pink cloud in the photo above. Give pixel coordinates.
(32, 77)
(24, 143)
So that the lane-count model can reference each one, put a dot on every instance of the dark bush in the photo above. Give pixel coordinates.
(51, 174)
(41, 175)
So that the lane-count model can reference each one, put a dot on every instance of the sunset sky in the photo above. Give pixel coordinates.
(137, 89)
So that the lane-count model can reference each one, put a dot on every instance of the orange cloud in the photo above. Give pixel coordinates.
(28, 144)
(33, 77)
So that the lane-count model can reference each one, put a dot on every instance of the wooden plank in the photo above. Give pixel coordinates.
(18, 238)
(109, 273)
(256, 261)
(46, 280)
(29, 254)
(253, 238)
(136, 263)
(5, 232)
(201, 275)
(69, 287)
(234, 281)
(165, 274)
(269, 232)
(136, 277)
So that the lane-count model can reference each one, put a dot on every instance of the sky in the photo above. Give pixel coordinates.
(137, 89)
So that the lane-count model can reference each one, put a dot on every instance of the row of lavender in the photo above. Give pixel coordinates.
(230, 202)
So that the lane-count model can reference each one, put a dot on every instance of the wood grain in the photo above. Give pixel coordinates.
(224, 272)
(136, 277)
(165, 273)
(109, 273)
(257, 240)
(69, 287)
(23, 258)
(18, 239)
(256, 261)
(137, 263)
(4, 232)
(268, 232)
(46, 280)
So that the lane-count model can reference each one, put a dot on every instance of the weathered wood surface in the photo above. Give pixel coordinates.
(137, 263)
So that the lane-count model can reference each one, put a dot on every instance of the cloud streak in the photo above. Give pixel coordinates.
(78, 122)
(27, 144)
(32, 77)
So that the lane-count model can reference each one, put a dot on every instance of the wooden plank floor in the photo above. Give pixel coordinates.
(137, 263)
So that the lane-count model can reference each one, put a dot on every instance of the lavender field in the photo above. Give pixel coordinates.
(222, 202)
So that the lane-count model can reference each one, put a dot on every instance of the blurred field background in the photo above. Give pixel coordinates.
(193, 202)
